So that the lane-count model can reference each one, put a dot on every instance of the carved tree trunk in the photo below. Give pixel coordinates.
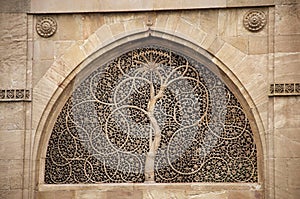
(153, 144)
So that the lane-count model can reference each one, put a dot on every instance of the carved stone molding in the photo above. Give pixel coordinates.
(46, 26)
(255, 20)
(14, 95)
(284, 89)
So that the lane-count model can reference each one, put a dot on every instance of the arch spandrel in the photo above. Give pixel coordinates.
(161, 120)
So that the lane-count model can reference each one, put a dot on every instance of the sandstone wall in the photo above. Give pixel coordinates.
(14, 112)
(36, 70)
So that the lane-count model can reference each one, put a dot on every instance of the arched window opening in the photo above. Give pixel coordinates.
(154, 115)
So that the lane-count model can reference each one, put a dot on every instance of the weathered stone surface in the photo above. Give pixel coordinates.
(204, 195)
(287, 43)
(12, 116)
(153, 192)
(294, 173)
(209, 21)
(287, 112)
(287, 14)
(39, 69)
(287, 143)
(56, 195)
(60, 47)
(90, 23)
(13, 64)
(287, 178)
(184, 27)
(125, 5)
(192, 17)
(239, 42)
(11, 194)
(20, 6)
(230, 55)
(117, 29)
(287, 67)
(245, 195)
(43, 50)
(227, 22)
(216, 45)
(258, 45)
(124, 194)
(285, 2)
(12, 26)
(91, 194)
(11, 144)
(67, 25)
(12, 50)
(234, 3)
(11, 174)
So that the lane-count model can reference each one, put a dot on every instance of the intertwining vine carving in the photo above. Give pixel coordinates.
(151, 115)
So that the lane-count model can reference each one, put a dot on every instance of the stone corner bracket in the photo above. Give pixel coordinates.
(254, 20)
(46, 26)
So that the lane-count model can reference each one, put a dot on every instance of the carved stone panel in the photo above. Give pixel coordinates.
(152, 115)
(255, 20)
(46, 26)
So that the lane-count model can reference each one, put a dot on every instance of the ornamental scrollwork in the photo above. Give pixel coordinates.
(151, 115)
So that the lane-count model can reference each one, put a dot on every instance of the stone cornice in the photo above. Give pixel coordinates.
(80, 6)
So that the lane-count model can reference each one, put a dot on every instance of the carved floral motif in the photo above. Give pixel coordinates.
(46, 26)
(255, 20)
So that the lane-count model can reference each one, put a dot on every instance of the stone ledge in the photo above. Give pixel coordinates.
(184, 186)
(80, 6)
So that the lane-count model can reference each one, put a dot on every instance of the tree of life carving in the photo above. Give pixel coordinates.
(151, 115)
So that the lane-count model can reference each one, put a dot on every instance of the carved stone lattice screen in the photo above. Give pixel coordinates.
(151, 115)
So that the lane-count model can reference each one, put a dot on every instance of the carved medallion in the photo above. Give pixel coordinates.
(255, 20)
(46, 26)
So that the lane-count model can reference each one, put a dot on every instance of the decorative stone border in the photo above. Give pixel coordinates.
(13, 95)
(284, 89)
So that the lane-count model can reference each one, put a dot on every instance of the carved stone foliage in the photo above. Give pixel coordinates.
(151, 115)
(46, 26)
(255, 20)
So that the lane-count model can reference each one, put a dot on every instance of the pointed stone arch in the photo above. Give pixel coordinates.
(60, 79)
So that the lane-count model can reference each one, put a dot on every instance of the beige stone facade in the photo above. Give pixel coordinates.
(37, 72)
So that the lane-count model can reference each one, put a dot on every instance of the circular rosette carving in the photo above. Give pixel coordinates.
(255, 20)
(46, 26)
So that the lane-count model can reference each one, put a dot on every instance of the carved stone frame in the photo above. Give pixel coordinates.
(112, 51)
